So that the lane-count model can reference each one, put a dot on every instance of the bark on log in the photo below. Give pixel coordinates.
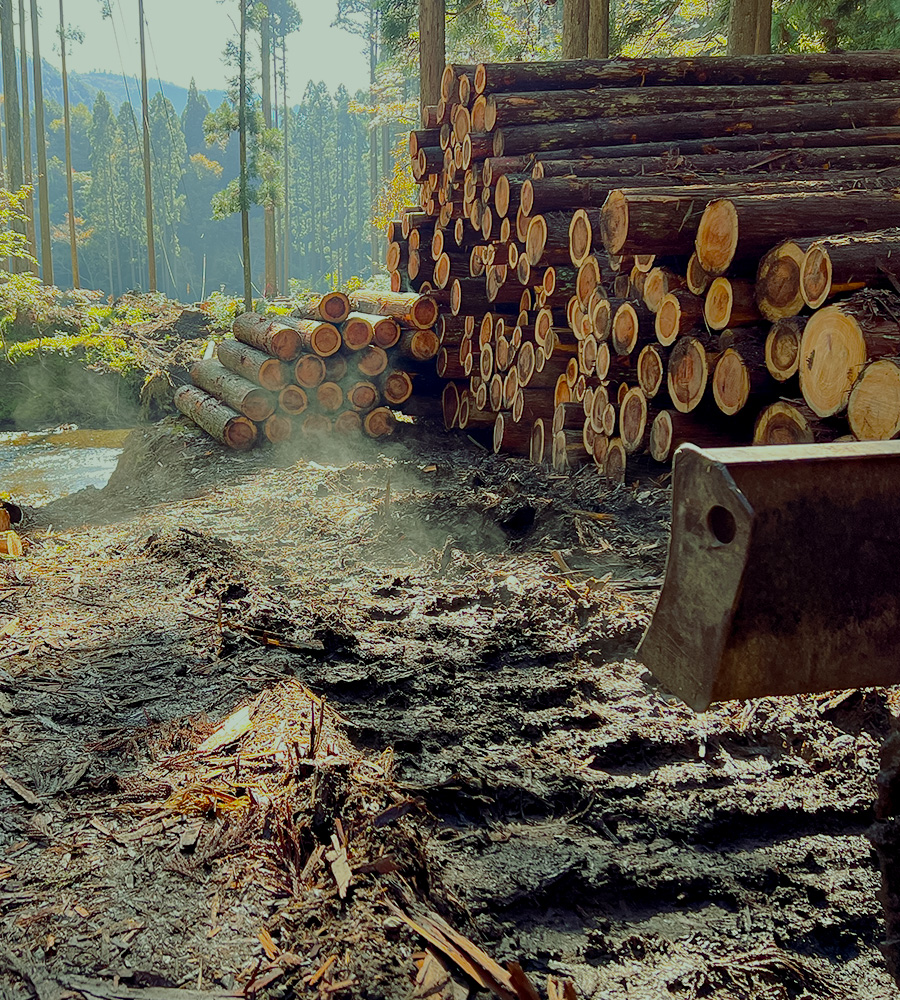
(838, 340)
(719, 71)
(694, 125)
(254, 365)
(539, 106)
(847, 263)
(267, 334)
(218, 420)
(746, 225)
(235, 391)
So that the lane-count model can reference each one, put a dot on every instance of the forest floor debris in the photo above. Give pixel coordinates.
(260, 713)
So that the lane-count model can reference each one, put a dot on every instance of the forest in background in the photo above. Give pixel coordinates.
(344, 168)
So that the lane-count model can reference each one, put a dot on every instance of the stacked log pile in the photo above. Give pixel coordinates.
(340, 366)
(630, 254)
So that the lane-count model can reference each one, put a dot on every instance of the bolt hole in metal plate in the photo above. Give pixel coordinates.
(721, 523)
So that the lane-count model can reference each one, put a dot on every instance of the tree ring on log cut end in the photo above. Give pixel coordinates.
(536, 239)
(731, 382)
(625, 326)
(526, 197)
(697, 278)
(326, 340)
(278, 428)
(372, 360)
(358, 332)
(501, 196)
(832, 354)
(316, 423)
(718, 304)
(293, 400)
(348, 423)
(387, 332)
(778, 292)
(600, 449)
(380, 423)
(782, 423)
(604, 360)
(717, 236)
(580, 237)
(616, 461)
(334, 306)
(330, 397)
(874, 407)
(499, 426)
(614, 221)
(241, 434)
(650, 370)
(668, 320)
(424, 312)
(815, 276)
(538, 447)
(363, 395)
(782, 351)
(450, 405)
(398, 387)
(661, 434)
(687, 374)
(633, 419)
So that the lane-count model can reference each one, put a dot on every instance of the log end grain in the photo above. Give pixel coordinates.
(309, 371)
(730, 382)
(379, 423)
(815, 276)
(783, 349)
(687, 374)
(717, 236)
(782, 423)
(874, 406)
(778, 292)
(832, 354)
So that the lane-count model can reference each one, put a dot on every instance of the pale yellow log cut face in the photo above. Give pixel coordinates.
(874, 407)
(832, 354)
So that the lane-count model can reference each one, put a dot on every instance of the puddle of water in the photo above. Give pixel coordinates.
(39, 466)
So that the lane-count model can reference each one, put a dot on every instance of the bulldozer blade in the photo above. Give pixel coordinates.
(783, 572)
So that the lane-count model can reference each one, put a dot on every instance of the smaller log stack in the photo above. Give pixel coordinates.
(631, 254)
(339, 365)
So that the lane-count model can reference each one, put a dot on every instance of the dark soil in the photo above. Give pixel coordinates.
(496, 754)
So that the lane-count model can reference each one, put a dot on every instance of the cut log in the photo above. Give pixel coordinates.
(268, 334)
(651, 371)
(11, 544)
(693, 125)
(222, 423)
(333, 307)
(746, 225)
(632, 326)
(671, 429)
(568, 451)
(417, 345)
(537, 450)
(235, 391)
(783, 348)
(292, 400)
(792, 422)
(450, 405)
(680, 312)
(348, 424)
(778, 293)
(846, 263)
(567, 416)
(329, 397)
(821, 67)
(632, 221)
(838, 340)
(874, 406)
(616, 462)
(510, 437)
(335, 368)
(538, 107)
(371, 361)
(730, 302)
(278, 428)
(697, 279)
(315, 425)
(358, 331)
(688, 372)
(659, 283)
(419, 311)
(363, 395)
(547, 239)
(634, 430)
(379, 423)
(254, 365)
(740, 372)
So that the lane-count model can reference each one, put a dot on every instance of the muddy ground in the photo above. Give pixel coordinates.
(435, 650)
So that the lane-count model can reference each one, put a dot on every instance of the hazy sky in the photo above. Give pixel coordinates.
(188, 37)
